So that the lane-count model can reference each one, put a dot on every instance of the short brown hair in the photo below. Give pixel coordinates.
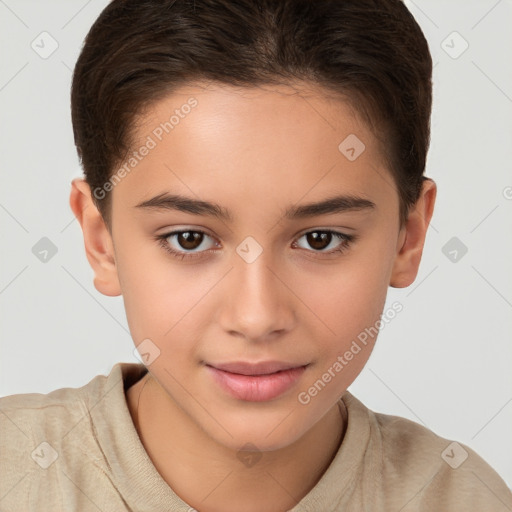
(371, 52)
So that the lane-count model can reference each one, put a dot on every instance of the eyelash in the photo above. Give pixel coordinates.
(162, 240)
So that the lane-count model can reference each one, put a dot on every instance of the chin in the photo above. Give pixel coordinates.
(275, 432)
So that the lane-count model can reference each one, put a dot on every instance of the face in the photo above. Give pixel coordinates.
(224, 295)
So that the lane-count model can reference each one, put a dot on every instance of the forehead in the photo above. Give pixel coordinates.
(287, 114)
(218, 140)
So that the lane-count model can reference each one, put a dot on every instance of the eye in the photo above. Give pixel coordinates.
(186, 243)
(326, 241)
(190, 243)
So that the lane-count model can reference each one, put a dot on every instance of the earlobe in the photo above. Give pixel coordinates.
(412, 237)
(99, 248)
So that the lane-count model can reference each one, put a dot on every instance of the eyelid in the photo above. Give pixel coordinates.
(181, 228)
(346, 231)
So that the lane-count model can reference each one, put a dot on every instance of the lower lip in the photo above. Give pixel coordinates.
(257, 388)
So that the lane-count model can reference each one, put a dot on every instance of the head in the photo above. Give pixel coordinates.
(254, 183)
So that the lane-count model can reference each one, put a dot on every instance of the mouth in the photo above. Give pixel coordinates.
(256, 382)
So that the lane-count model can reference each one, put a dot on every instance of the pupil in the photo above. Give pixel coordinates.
(317, 239)
(188, 239)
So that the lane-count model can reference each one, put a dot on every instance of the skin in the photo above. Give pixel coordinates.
(255, 152)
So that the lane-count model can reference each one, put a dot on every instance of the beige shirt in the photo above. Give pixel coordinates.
(78, 450)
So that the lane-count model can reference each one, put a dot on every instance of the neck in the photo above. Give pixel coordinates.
(211, 477)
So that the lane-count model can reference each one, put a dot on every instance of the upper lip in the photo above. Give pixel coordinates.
(261, 368)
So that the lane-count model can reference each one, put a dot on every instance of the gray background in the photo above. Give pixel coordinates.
(444, 361)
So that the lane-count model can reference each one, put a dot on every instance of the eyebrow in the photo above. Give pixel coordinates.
(329, 206)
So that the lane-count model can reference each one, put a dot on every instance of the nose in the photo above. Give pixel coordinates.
(257, 302)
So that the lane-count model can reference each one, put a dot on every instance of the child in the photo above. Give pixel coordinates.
(253, 185)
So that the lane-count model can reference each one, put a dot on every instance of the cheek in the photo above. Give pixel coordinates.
(351, 311)
(349, 299)
(163, 299)
(349, 296)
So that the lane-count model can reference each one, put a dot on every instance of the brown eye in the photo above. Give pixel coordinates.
(325, 241)
(186, 243)
(189, 239)
(319, 239)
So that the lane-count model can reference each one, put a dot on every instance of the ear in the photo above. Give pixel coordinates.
(99, 247)
(412, 237)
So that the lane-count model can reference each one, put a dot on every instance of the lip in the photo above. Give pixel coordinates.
(254, 369)
(256, 382)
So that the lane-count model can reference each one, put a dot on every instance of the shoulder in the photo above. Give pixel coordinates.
(37, 428)
(428, 471)
(44, 437)
(36, 415)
